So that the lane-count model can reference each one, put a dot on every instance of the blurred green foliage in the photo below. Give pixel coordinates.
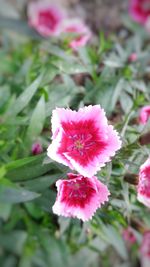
(38, 75)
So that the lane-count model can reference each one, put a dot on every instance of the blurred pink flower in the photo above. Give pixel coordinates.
(133, 57)
(82, 33)
(144, 114)
(79, 196)
(145, 250)
(128, 235)
(82, 139)
(45, 18)
(143, 187)
(139, 10)
(37, 148)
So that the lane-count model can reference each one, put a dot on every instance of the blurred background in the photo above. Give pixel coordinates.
(38, 74)
(98, 14)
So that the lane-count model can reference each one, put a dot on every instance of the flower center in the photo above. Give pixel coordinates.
(79, 190)
(48, 19)
(80, 143)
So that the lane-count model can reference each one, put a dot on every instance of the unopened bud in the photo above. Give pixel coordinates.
(37, 148)
(131, 178)
(144, 139)
(132, 57)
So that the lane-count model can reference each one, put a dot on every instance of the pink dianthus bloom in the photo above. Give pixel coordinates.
(144, 114)
(82, 139)
(79, 196)
(140, 10)
(128, 235)
(145, 249)
(143, 187)
(82, 33)
(45, 18)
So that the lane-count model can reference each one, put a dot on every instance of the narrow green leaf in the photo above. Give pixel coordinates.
(126, 102)
(5, 210)
(36, 122)
(15, 195)
(23, 100)
(115, 239)
(13, 241)
(19, 26)
(41, 183)
(117, 91)
(29, 168)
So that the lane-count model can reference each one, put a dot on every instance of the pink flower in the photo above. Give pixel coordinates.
(133, 57)
(37, 148)
(144, 114)
(128, 235)
(140, 10)
(79, 196)
(82, 33)
(82, 139)
(145, 249)
(143, 187)
(45, 18)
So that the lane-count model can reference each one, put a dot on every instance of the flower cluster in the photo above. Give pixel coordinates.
(48, 20)
(140, 12)
(83, 141)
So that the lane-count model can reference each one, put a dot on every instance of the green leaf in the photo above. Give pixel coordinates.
(117, 91)
(23, 100)
(126, 102)
(104, 96)
(4, 95)
(34, 210)
(36, 122)
(19, 26)
(15, 195)
(28, 168)
(85, 257)
(115, 239)
(13, 241)
(46, 201)
(41, 183)
(2, 171)
(57, 255)
(5, 210)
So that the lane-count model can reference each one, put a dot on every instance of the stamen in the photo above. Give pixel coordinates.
(81, 143)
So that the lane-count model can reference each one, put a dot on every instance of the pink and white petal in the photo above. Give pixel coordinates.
(75, 26)
(60, 115)
(89, 170)
(75, 44)
(95, 113)
(52, 151)
(143, 199)
(113, 144)
(144, 114)
(144, 165)
(100, 198)
(99, 161)
(86, 213)
(33, 11)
